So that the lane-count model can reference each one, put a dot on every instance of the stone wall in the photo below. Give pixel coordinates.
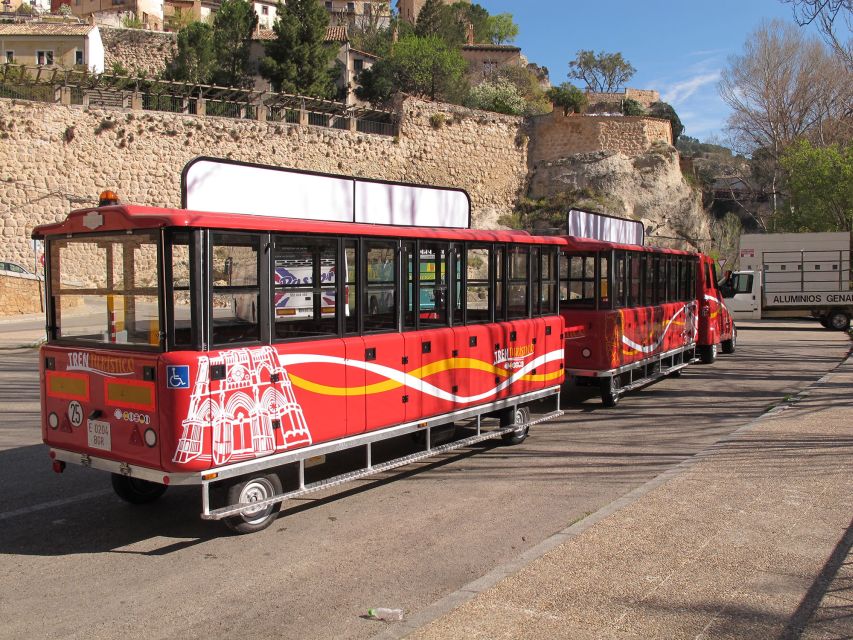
(19, 294)
(645, 97)
(556, 136)
(55, 158)
(137, 49)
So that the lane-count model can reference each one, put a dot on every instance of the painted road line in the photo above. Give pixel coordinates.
(53, 503)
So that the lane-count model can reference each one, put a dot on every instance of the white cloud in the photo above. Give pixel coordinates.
(681, 91)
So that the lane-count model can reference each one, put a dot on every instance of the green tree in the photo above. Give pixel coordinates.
(667, 112)
(820, 183)
(298, 60)
(424, 66)
(500, 95)
(502, 29)
(602, 72)
(195, 59)
(233, 26)
(180, 19)
(568, 98)
(631, 107)
(433, 19)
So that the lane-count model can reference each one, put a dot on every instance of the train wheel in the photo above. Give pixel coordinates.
(136, 491)
(728, 346)
(707, 353)
(519, 415)
(838, 321)
(255, 489)
(610, 391)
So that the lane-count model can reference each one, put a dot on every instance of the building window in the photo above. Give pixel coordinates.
(328, 6)
(265, 11)
(351, 7)
(489, 68)
(10, 56)
(358, 65)
(44, 57)
(78, 57)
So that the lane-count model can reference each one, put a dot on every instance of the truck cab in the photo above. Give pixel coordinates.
(742, 294)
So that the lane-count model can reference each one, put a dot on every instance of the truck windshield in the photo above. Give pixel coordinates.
(104, 289)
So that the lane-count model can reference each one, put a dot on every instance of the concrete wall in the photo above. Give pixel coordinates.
(556, 136)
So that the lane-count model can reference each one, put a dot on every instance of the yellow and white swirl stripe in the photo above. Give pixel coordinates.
(655, 345)
(395, 379)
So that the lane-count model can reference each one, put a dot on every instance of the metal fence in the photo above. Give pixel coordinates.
(76, 87)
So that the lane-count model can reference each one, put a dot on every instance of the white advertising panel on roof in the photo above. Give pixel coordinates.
(210, 184)
(596, 226)
(382, 203)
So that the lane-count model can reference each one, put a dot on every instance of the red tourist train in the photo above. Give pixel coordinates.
(174, 356)
(634, 314)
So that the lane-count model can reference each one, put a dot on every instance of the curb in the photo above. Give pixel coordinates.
(467, 592)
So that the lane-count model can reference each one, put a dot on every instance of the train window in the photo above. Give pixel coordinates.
(456, 252)
(635, 279)
(410, 273)
(180, 273)
(379, 304)
(535, 279)
(660, 282)
(604, 281)
(304, 296)
(578, 288)
(650, 281)
(478, 292)
(500, 281)
(620, 280)
(518, 280)
(548, 271)
(351, 305)
(234, 276)
(433, 288)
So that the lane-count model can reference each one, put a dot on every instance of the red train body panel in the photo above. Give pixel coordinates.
(212, 409)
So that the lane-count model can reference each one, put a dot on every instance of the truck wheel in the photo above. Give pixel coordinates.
(838, 321)
(254, 489)
(136, 491)
(728, 346)
(707, 353)
(824, 322)
(610, 391)
(519, 415)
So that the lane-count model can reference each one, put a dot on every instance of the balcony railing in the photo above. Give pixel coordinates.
(76, 87)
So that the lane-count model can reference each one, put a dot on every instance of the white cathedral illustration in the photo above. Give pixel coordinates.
(250, 415)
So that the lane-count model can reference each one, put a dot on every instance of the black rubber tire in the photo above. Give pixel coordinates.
(707, 353)
(253, 489)
(824, 322)
(519, 415)
(838, 321)
(610, 391)
(728, 346)
(136, 491)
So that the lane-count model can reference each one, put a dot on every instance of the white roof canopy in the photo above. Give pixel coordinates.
(225, 186)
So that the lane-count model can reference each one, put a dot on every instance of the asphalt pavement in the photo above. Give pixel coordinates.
(750, 538)
(716, 524)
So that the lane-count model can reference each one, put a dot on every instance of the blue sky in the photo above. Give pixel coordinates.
(678, 47)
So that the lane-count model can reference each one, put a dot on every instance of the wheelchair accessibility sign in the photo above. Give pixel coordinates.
(178, 376)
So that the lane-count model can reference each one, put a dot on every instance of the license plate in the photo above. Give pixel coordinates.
(99, 435)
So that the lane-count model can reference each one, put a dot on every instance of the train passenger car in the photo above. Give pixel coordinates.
(172, 359)
(631, 314)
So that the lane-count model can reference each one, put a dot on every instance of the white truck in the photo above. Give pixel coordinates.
(785, 275)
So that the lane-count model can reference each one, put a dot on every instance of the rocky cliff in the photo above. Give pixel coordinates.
(648, 186)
